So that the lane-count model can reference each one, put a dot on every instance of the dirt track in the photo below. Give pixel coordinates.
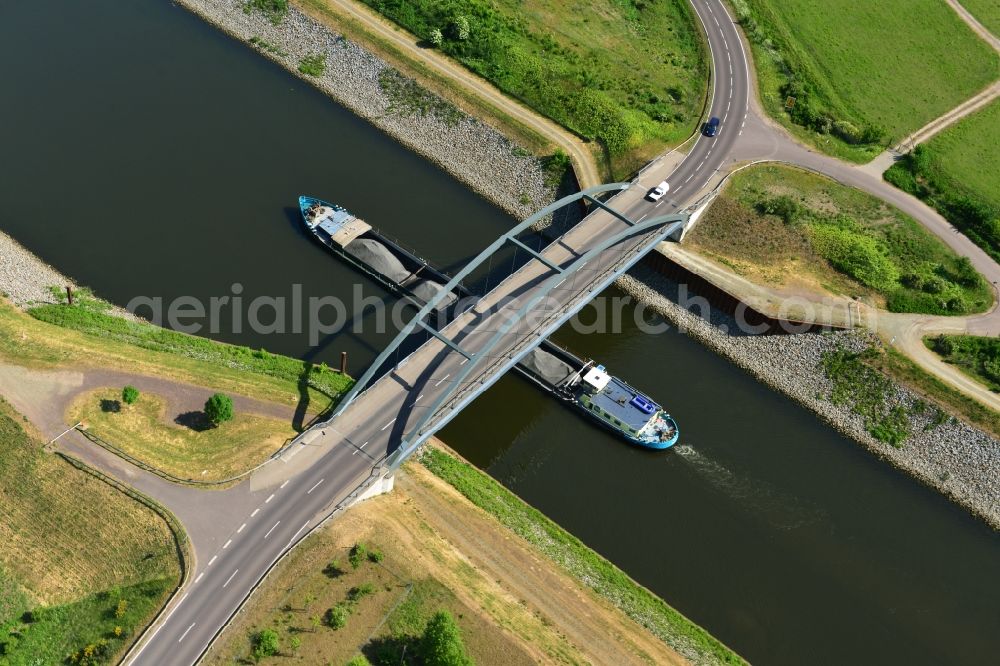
(583, 161)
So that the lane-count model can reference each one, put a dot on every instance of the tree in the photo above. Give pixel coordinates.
(130, 395)
(359, 660)
(436, 37)
(441, 644)
(265, 644)
(219, 408)
(337, 616)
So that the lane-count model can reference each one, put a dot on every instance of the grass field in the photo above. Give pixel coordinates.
(628, 74)
(147, 431)
(956, 172)
(795, 230)
(986, 12)
(977, 357)
(73, 548)
(59, 336)
(862, 74)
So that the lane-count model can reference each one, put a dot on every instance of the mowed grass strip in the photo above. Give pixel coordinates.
(579, 561)
(148, 431)
(630, 75)
(986, 12)
(956, 173)
(85, 336)
(65, 533)
(791, 228)
(889, 66)
(967, 153)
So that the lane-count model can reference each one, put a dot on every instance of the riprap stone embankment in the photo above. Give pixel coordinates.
(953, 457)
(472, 151)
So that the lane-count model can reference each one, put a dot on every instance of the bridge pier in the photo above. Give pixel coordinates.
(381, 487)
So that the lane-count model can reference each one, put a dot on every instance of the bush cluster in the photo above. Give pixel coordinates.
(868, 392)
(274, 10)
(903, 265)
(979, 356)
(919, 173)
(557, 81)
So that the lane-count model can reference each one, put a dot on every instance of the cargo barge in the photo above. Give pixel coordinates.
(581, 384)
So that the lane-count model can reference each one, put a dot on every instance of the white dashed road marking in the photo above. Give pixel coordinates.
(388, 424)
(230, 579)
(315, 487)
(184, 635)
(269, 498)
(442, 379)
(254, 513)
(272, 529)
(242, 527)
(227, 544)
(214, 558)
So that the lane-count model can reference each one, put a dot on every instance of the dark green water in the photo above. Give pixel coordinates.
(146, 154)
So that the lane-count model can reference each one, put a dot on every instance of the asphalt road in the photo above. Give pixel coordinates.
(292, 496)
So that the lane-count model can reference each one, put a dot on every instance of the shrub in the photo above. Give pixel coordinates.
(356, 594)
(441, 644)
(358, 554)
(375, 556)
(121, 609)
(436, 37)
(864, 258)
(848, 132)
(333, 569)
(274, 10)
(264, 644)
(460, 28)
(336, 617)
(219, 408)
(130, 395)
(313, 64)
(784, 206)
(944, 346)
(359, 660)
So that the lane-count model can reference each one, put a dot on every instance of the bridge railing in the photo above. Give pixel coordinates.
(453, 401)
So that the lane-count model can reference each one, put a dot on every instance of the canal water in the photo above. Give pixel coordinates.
(146, 154)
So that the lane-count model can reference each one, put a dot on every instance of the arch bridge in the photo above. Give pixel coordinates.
(389, 416)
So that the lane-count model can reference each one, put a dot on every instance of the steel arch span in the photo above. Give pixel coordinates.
(647, 234)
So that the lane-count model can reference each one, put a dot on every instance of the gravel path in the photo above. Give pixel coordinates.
(956, 459)
(473, 152)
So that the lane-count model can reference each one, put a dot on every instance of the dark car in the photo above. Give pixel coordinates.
(712, 127)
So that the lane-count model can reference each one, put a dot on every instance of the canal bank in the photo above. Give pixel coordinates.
(471, 151)
(781, 537)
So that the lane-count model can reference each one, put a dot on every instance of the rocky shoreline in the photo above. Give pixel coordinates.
(953, 457)
(473, 152)
(24, 278)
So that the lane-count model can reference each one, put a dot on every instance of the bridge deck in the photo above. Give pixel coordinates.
(390, 410)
